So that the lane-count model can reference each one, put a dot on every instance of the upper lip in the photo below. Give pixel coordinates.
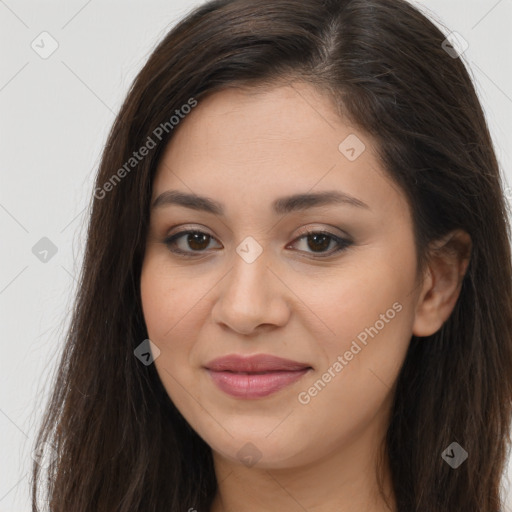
(255, 363)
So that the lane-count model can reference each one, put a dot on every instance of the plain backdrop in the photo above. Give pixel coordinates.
(55, 116)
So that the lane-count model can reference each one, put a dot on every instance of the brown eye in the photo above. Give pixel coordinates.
(320, 241)
(197, 241)
(188, 242)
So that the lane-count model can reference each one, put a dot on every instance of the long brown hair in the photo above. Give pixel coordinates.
(118, 442)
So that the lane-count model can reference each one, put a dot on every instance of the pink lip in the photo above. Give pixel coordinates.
(254, 376)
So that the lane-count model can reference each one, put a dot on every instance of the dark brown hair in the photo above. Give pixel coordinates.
(119, 442)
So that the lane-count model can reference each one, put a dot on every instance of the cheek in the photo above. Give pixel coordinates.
(354, 300)
(174, 309)
(157, 303)
(167, 298)
(360, 363)
(167, 306)
(367, 320)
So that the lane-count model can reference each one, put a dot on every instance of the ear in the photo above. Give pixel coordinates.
(448, 262)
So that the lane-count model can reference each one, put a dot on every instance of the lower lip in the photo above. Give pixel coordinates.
(255, 385)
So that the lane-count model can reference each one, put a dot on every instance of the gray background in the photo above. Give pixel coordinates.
(55, 116)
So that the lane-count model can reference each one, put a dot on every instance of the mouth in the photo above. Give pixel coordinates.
(255, 376)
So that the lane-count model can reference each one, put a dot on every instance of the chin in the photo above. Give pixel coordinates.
(262, 452)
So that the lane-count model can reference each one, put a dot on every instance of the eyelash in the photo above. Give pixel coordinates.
(171, 241)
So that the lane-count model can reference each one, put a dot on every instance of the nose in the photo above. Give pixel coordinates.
(251, 297)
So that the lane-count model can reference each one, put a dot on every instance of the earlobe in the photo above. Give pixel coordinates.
(448, 263)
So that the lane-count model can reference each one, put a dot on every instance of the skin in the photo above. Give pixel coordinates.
(245, 148)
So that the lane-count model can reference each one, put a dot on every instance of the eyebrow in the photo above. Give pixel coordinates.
(282, 205)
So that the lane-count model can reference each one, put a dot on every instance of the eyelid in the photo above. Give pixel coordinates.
(181, 228)
(315, 229)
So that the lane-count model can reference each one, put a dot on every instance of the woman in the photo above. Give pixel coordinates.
(296, 292)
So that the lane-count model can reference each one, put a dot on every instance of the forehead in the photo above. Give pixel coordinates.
(244, 144)
(233, 120)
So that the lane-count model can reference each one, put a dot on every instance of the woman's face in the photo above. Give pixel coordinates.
(254, 282)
